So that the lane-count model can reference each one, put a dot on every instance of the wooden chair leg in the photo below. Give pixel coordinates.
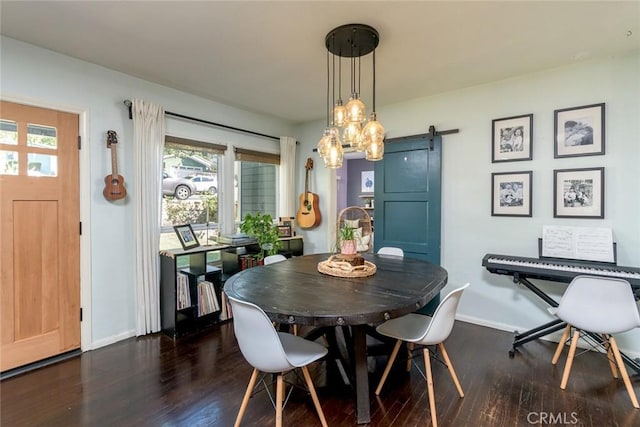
(610, 356)
(279, 399)
(410, 347)
(561, 344)
(432, 397)
(445, 356)
(245, 399)
(314, 396)
(295, 329)
(623, 372)
(394, 353)
(572, 352)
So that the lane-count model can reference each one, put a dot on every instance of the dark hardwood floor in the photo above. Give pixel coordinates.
(200, 381)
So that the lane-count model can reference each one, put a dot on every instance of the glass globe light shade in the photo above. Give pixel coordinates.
(373, 139)
(351, 132)
(334, 152)
(323, 144)
(356, 111)
(339, 114)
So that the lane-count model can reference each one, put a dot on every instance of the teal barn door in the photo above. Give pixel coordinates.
(407, 199)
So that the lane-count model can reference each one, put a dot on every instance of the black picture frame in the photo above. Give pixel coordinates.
(512, 139)
(284, 231)
(511, 193)
(186, 236)
(579, 131)
(578, 193)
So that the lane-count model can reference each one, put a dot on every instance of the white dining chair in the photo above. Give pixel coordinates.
(602, 306)
(272, 259)
(272, 352)
(424, 330)
(390, 250)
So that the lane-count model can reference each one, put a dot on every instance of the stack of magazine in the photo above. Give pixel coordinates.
(207, 301)
(183, 297)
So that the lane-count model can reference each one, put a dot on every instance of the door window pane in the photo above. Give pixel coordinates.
(42, 165)
(8, 162)
(42, 136)
(8, 132)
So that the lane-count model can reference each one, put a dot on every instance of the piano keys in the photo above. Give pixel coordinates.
(558, 270)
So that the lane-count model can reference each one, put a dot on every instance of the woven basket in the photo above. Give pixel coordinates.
(333, 267)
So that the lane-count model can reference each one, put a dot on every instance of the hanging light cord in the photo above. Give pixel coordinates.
(374, 81)
(327, 88)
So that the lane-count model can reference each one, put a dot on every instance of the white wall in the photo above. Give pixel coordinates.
(468, 229)
(40, 77)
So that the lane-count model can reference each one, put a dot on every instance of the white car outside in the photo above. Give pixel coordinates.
(205, 183)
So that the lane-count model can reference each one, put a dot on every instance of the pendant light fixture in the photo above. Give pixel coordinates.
(351, 41)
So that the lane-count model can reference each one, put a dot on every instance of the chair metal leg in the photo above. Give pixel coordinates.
(314, 396)
(432, 397)
(567, 366)
(445, 356)
(610, 356)
(279, 398)
(623, 373)
(561, 344)
(394, 353)
(247, 395)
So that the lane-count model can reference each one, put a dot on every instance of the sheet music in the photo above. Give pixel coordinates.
(582, 243)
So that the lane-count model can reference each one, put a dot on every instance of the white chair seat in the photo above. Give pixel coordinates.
(390, 250)
(299, 351)
(272, 259)
(409, 328)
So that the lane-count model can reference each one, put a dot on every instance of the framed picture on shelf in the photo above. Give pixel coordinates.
(512, 139)
(290, 222)
(367, 182)
(579, 131)
(185, 235)
(578, 193)
(511, 193)
(284, 231)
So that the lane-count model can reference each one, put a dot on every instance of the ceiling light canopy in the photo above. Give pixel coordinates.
(348, 122)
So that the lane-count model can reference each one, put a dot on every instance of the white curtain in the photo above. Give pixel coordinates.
(287, 176)
(148, 143)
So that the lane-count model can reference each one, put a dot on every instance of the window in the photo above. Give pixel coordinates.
(256, 183)
(190, 189)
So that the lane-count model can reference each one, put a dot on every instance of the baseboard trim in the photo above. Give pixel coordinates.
(112, 339)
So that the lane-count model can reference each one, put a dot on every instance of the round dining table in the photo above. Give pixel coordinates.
(295, 292)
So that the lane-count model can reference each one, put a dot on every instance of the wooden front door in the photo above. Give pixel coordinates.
(40, 244)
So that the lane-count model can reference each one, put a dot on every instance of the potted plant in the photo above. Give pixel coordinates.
(347, 240)
(262, 228)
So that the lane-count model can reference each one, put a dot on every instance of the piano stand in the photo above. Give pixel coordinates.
(554, 325)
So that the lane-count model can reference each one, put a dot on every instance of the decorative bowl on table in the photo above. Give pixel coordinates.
(341, 265)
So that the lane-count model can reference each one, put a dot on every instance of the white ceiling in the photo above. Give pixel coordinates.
(269, 56)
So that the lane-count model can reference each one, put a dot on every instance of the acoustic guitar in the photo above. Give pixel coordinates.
(308, 212)
(114, 183)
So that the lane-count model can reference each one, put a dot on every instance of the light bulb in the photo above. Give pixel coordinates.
(334, 152)
(373, 139)
(356, 111)
(339, 114)
(351, 132)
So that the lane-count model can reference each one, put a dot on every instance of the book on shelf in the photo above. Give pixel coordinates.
(207, 300)
(183, 296)
(226, 312)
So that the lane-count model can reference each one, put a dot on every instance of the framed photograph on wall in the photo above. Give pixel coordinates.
(511, 193)
(185, 235)
(578, 193)
(512, 139)
(367, 182)
(579, 131)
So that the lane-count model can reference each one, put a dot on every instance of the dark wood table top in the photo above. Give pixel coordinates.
(294, 291)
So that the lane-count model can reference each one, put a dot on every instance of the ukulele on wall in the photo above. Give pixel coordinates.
(114, 183)
(308, 212)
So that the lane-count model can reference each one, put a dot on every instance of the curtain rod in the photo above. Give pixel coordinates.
(128, 104)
